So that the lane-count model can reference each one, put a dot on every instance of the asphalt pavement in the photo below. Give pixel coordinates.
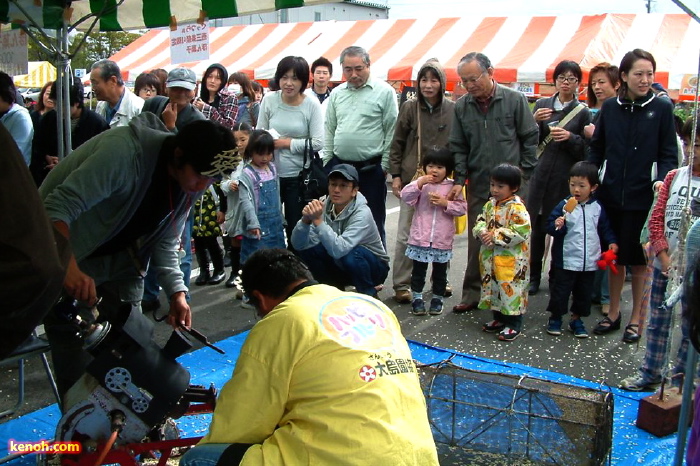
(217, 314)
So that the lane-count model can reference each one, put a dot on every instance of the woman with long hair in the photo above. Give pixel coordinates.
(215, 101)
(635, 142)
(248, 106)
(43, 104)
(294, 118)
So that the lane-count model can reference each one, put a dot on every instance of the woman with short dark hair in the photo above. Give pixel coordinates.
(561, 119)
(295, 118)
(147, 85)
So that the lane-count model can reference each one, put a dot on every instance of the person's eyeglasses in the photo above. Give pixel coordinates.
(567, 79)
(467, 81)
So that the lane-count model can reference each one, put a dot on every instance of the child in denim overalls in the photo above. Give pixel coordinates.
(262, 222)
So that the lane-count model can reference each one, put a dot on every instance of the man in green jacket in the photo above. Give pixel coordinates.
(492, 125)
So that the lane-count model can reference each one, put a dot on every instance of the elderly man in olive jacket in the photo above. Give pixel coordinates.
(492, 125)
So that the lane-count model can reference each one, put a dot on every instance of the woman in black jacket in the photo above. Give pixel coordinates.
(635, 142)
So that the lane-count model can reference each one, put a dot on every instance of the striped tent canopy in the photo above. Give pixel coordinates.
(119, 15)
(523, 49)
(40, 72)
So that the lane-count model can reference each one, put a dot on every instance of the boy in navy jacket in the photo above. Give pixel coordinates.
(578, 225)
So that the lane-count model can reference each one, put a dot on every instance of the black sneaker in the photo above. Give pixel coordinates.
(435, 306)
(218, 277)
(418, 307)
(508, 334)
(493, 327)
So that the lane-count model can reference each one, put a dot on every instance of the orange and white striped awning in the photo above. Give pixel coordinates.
(523, 49)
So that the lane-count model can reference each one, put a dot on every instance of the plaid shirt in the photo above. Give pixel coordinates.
(227, 111)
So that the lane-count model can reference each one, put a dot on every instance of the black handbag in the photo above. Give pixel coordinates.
(313, 181)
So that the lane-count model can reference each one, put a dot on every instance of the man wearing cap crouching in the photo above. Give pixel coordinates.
(338, 238)
(121, 199)
(176, 110)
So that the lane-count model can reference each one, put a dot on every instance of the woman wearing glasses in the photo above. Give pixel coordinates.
(635, 140)
(561, 119)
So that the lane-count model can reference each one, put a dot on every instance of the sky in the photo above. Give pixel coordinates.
(452, 8)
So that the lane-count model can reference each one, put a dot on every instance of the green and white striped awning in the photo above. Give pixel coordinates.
(137, 14)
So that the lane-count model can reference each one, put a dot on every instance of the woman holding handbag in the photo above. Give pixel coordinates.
(292, 118)
(561, 119)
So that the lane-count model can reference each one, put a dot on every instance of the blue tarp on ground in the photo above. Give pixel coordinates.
(631, 446)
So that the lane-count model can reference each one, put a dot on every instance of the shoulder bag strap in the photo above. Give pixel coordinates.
(419, 153)
(570, 116)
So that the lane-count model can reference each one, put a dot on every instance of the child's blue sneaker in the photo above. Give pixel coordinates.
(435, 306)
(576, 326)
(554, 327)
(418, 307)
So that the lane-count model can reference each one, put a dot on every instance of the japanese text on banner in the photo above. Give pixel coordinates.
(189, 42)
(13, 52)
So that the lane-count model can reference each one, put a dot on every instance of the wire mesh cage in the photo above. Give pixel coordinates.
(481, 418)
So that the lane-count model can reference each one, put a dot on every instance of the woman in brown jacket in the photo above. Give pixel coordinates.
(423, 123)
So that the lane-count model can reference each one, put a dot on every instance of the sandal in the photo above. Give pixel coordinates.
(607, 325)
(631, 334)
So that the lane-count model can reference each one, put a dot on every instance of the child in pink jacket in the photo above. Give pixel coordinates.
(432, 228)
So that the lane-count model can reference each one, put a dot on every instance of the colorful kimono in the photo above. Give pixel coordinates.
(505, 266)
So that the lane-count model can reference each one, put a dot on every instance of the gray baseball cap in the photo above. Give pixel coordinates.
(346, 171)
(182, 77)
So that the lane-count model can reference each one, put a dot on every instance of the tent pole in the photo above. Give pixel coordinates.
(687, 10)
(60, 152)
(65, 64)
(692, 358)
(691, 362)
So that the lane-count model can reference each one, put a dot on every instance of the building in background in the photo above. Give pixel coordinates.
(347, 10)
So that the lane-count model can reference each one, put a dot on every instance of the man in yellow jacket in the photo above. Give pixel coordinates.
(326, 377)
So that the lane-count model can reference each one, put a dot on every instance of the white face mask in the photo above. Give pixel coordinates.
(234, 88)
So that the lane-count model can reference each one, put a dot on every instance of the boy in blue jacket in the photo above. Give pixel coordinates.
(578, 225)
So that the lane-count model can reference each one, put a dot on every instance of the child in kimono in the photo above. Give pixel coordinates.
(504, 230)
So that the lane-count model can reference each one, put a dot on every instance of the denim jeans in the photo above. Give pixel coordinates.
(360, 267)
(210, 454)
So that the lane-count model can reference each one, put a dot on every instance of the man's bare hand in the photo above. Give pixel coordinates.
(180, 312)
(79, 285)
(169, 115)
(456, 189)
